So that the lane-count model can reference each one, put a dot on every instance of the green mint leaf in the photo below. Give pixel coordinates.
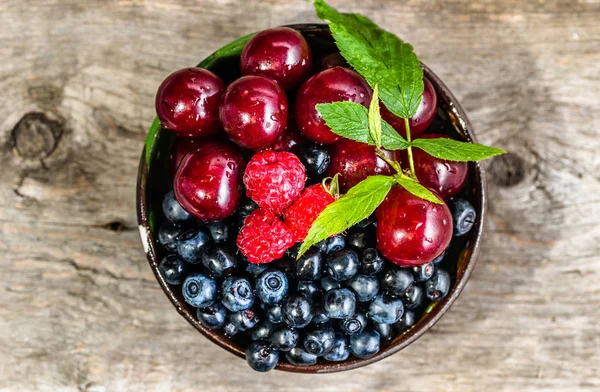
(379, 56)
(351, 120)
(417, 189)
(356, 205)
(375, 118)
(453, 150)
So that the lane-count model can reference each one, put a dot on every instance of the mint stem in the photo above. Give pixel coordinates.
(395, 165)
(411, 161)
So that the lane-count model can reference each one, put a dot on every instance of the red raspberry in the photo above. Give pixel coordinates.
(274, 179)
(301, 215)
(264, 237)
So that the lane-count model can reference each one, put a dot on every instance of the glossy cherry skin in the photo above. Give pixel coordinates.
(332, 60)
(207, 181)
(254, 112)
(447, 178)
(332, 85)
(187, 102)
(355, 161)
(422, 118)
(280, 53)
(291, 140)
(412, 231)
(181, 147)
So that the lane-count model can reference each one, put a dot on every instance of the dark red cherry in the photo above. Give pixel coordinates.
(254, 111)
(422, 118)
(356, 161)
(412, 231)
(291, 140)
(332, 85)
(207, 181)
(280, 53)
(187, 102)
(332, 60)
(181, 147)
(444, 177)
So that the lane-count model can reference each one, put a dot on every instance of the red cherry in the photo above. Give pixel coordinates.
(355, 161)
(412, 231)
(291, 140)
(332, 85)
(254, 111)
(181, 147)
(280, 53)
(207, 181)
(422, 118)
(187, 102)
(332, 60)
(444, 177)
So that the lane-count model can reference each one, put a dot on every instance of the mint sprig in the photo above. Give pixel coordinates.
(453, 150)
(416, 188)
(375, 128)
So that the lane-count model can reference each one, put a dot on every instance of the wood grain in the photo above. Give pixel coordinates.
(80, 310)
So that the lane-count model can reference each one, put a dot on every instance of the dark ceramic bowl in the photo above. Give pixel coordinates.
(460, 261)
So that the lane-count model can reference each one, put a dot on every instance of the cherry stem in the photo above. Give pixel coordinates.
(411, 161)
(395, 165)
(332, 185)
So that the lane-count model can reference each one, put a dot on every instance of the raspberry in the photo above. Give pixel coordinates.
(274, 179)
(301, 215)
(264, 237)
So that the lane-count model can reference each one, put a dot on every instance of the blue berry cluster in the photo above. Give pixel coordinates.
(340, 299)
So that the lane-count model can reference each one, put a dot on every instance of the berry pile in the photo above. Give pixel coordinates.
(252, 172)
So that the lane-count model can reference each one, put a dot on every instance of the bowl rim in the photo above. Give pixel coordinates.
(461, 124)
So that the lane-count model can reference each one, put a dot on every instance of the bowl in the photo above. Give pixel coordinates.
(461, 258)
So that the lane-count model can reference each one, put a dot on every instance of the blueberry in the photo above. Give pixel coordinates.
(244, 210)
(299, 357)
(386, 331)
(311, 289)
(372, 262)
(315, 160)
(360, 240)
(365, 287)
(413, 297)
(173, 269)
(190, 245)
(173, 210)
(339, 303)
(271, 286)
(261, 356)
(199, 290)
(251, 268)
(320, 316)
(219, 231)
(284, 264)
(244, 319)
(440, 258)
(463, 216)
(438, 286)
(343, 264)
(167, 236)
(385, 309)
(365, 344)
(212, 317)
(328, 283)
(309, 267)
(274, 313)
(297, 311)
(230, 329)
(395, 281)
(423, 272)
(236, 294)
(284, 339)
(363, 224)
(332, 244)
(218, 260)
(262, 332)
(340, 350)
(293, 251)
(354, 324)
(319, 341)
(407, 320)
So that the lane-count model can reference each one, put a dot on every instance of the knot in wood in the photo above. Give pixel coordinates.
(507, 170)
(36, 136)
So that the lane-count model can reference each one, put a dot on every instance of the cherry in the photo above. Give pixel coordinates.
(254, 111)
(291, 139)
(181, 147)
(332, 60)
(444, 177)
(280, 53)
(187, 102)
(207, 181)
(355, 161)
(331, 85)
(412, 231)
(422, 118)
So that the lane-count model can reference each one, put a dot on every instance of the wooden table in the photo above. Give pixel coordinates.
(79, 308)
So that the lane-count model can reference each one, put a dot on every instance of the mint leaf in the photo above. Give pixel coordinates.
(375, 118)
(356, 205)
(379, 56)
(417, 189)
(453, 150)
(351, 120)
